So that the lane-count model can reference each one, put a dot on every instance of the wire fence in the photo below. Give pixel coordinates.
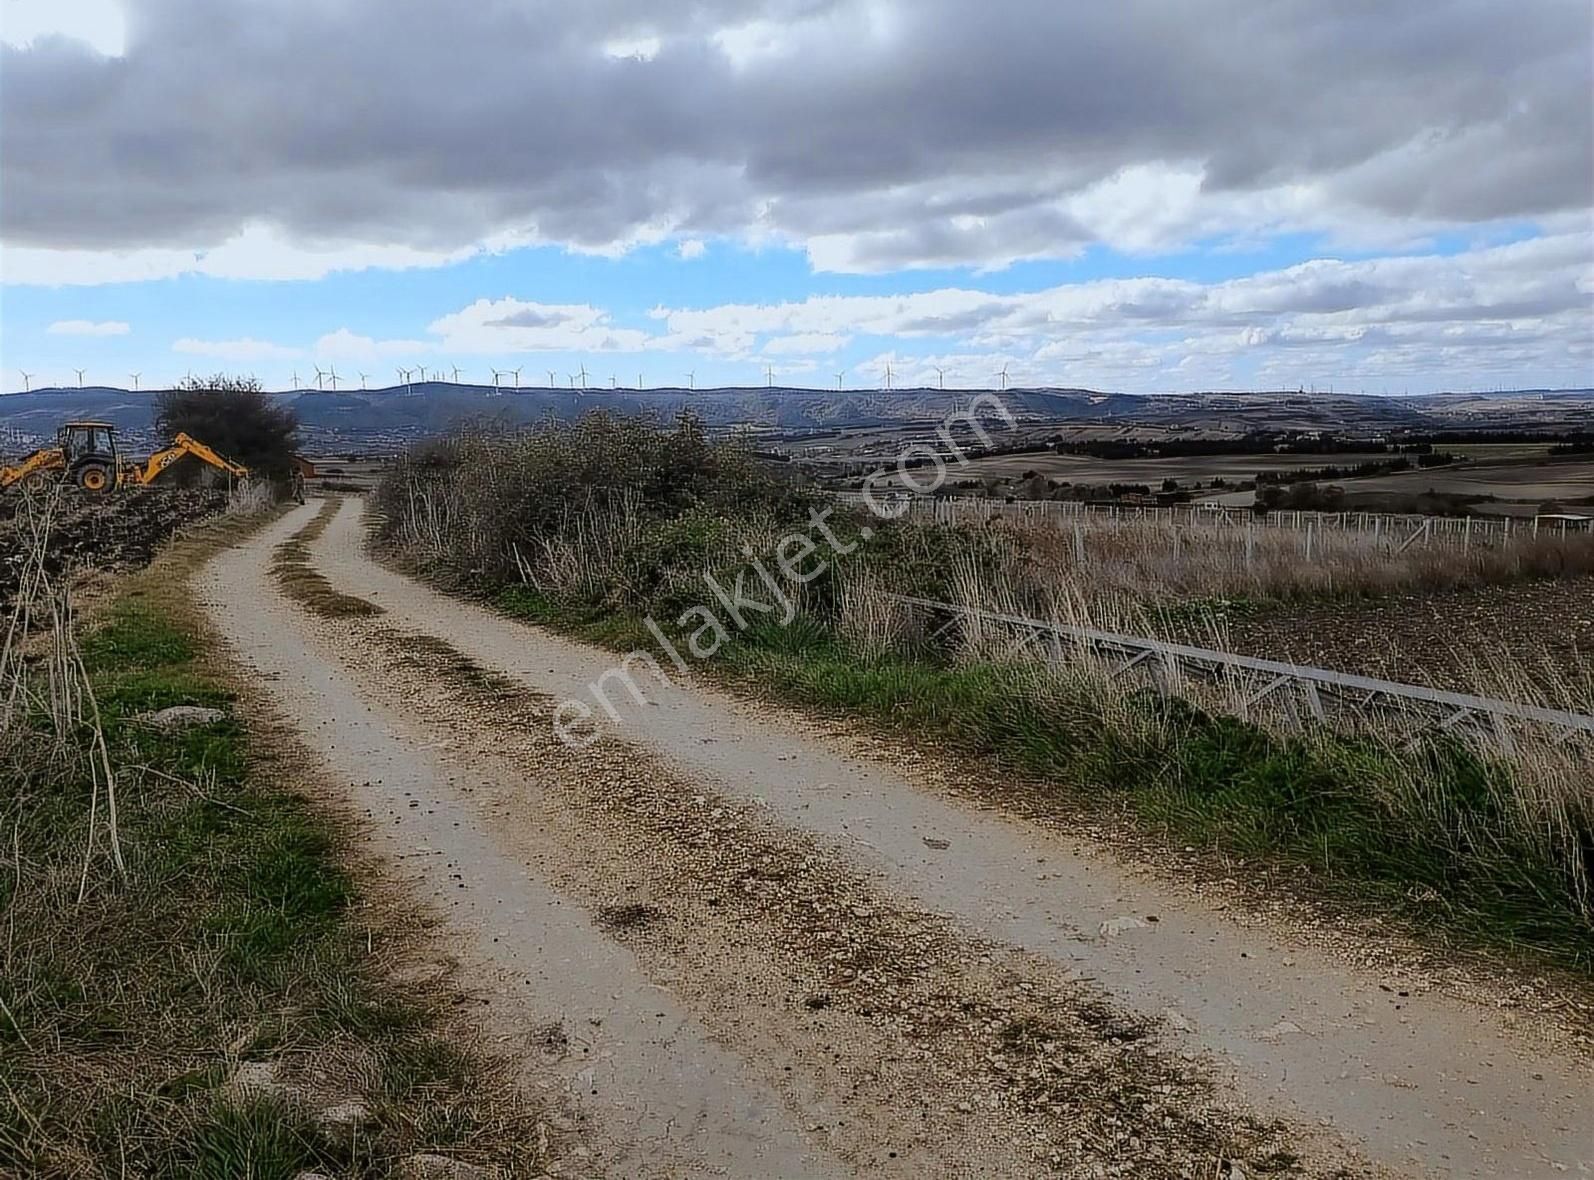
(1394, 533)
(1307, 693)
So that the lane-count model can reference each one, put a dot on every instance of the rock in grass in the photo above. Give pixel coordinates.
(342, 1121)
(179, 717)
(253, 1079)
(427, 1166)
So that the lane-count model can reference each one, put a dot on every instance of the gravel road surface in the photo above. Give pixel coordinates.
(748, 950)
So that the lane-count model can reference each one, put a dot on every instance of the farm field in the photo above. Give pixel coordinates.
(830, 812)
(1517, 485)
(1516, 488)
(1500, 640)
(103, 535)
(1500, 452)
(1198, 469)
(796, 590)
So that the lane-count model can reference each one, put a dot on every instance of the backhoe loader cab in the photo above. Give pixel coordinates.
(89, 454)
(86, 454)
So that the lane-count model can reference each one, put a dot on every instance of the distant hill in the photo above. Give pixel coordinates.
(388, 417)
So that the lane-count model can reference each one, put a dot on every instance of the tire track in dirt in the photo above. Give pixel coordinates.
(664, 1099)
(933, 1053)
(1426, 1081)
(912, 1049)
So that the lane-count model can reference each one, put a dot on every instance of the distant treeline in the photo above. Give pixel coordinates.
(1574, 437)
(1251, 444)
(1361, 470)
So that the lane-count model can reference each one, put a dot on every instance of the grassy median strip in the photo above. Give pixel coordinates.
(230, 1006)
(302, 582)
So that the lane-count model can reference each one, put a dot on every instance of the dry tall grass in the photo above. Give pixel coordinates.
(1537, 788)
(605, 526)
(42, 676)
(604, 510)
(1104, 559)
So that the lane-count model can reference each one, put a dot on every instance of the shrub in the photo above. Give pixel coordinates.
(233, 416)
(605, 508)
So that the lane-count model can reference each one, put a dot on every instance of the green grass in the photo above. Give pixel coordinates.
(1333, 813)
(599, 625)
(263, 1138)
(238, 933)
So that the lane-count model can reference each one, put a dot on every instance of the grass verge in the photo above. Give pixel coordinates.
(230, 1008)
(1419, 835)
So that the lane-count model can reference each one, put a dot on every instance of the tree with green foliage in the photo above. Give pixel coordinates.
(235, 417)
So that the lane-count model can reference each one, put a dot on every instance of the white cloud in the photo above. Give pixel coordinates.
(88, 328)
(1481, 317)
(637, 48)
(344, 345)
(504, 326)
(819, 343)
(690, 248)
(257, 252)
(875, 134)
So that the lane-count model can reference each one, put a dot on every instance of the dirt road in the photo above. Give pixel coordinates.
(738, 947)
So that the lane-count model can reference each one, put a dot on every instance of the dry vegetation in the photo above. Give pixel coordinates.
(1096, 559)
(120, 532)
(186, 980)
(594, 526)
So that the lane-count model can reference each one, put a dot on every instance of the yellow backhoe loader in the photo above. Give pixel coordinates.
(86, 454)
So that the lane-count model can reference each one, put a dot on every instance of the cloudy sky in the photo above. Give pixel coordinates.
(1140, 195)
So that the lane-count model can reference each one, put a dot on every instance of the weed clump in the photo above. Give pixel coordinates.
(607, 511)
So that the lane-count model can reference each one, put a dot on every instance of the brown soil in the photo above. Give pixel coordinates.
(1492, 638)
(115, 532)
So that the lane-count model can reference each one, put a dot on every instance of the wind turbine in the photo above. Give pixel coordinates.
(516, 372)
(888, 374)
(296, 378)
(135, 377)
(614, 382)
(26, 378)
(332, 377)
(363, 377)
(403, 376)
(319, 376)
(769, 376)
(583, 376)
(496, 376)
(940, 374)
(639, 381)
(839, 376)
(455, 371)
(1003, 376)
(79, 373)
(553, 379)
(691, 379)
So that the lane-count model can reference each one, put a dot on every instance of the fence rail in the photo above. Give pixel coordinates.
(1298, 688)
